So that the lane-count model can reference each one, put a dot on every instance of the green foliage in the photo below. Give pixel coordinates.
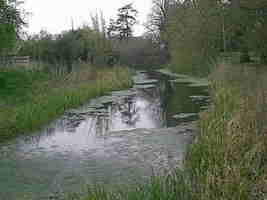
(16, 84)
(85, 45)
(195, 32)
(36, 103)
(10, 23)
(81, 45)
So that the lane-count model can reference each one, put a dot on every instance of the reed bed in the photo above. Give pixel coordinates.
(228, 159)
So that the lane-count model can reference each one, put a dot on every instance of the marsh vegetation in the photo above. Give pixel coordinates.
(194, 45)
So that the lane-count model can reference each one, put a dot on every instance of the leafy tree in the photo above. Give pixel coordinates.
(256, 27)
(11, 22)
(122, 28)
(192, 32)
(245, 27)
(157, 24)
(80, 45)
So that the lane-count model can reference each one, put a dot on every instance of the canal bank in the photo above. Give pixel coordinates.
(32, 98)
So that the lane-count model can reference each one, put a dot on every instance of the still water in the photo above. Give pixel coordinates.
(116, 139)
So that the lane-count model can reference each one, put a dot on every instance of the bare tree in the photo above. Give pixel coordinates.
(158, 17)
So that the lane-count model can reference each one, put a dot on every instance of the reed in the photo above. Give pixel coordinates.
(228, 159)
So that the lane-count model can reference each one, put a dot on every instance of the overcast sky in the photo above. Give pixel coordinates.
(56, 15)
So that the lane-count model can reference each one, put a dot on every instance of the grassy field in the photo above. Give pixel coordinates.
(30, 99)
(228, 160)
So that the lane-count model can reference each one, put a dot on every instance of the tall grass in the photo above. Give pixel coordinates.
(171, 187)
(228, 160)
(35, 99)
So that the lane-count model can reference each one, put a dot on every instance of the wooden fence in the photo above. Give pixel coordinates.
(15, 60)
(21, 60)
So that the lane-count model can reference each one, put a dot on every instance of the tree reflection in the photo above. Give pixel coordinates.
(129, 112)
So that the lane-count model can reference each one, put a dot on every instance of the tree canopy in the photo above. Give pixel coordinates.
(197, 31)
(122, 27)
(11, 22)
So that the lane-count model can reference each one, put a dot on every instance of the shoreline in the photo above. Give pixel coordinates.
(45, 104)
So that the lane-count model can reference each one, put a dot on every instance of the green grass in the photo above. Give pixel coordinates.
(30, 99)
(171, 187)
(15, 85)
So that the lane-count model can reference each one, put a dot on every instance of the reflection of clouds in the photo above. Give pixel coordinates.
(142, 111)
(141, 104)
(78, 131)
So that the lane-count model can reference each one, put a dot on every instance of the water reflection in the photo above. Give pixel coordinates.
(86, 147)
(147, 108)
(141, 111)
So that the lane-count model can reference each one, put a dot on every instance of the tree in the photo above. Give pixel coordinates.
(122, 28)
(84, 44)
(256, 26)
(192, 32)
(159, 16)
(112, 30)
(157, 25)
(11, 22)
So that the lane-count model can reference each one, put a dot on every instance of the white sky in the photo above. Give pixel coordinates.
(56, 15)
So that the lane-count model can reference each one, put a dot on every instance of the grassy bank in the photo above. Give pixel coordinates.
(228, 158)
(30, 99)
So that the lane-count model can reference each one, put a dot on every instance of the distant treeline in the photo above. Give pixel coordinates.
(99, 44)
(90, 46)
(188, 34)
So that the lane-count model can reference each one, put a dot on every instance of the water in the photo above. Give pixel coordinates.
(117, 142)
